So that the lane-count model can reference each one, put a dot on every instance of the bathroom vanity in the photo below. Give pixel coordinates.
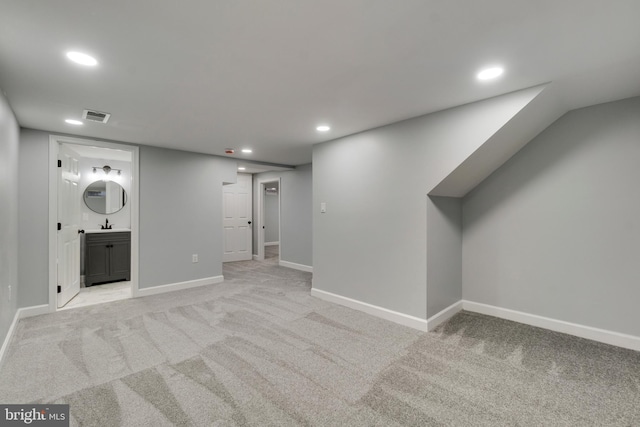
(107, 256)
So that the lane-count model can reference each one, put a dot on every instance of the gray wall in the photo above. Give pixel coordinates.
(180, 214)
(33, 257)
(555, 231)
(9, 137)
(295, 215)
(444, 253)
(371, 245)
(271, 216)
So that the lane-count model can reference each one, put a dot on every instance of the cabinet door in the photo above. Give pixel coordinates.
(120, 259)
(96, 262)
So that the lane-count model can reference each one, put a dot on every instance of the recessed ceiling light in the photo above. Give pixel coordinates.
(247, 150)
(241, 168)
(73, 122)
(323, 128)
(490, 73)
(82, 58)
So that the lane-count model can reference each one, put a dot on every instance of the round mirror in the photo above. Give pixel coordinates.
(105, 197)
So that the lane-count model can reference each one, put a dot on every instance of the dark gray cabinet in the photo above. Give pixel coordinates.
(107, 257)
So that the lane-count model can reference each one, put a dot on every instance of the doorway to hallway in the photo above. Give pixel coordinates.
(269, 219)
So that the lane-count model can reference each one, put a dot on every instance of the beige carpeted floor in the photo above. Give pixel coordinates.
(259, 350)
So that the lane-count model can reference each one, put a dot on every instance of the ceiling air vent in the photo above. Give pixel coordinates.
(95, 116)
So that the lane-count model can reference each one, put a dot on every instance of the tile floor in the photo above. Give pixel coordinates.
(272, 251)
(99, 294)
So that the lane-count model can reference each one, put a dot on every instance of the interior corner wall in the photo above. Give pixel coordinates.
(180, 215)
(295, 213)
(9, 141)
(371, 244)
(444, 253)
(555, 231)
(33, 229)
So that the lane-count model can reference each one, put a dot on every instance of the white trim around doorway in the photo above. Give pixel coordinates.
(261, 243)
(54, 141)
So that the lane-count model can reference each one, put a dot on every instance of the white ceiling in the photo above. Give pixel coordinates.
(207, 75)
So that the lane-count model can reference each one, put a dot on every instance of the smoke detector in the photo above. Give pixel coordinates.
(95, 116)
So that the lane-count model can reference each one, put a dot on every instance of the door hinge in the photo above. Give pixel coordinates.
(59, 163)
(59, 288)
(59, 226)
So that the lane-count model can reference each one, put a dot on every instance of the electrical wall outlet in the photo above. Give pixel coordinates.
(194, 258)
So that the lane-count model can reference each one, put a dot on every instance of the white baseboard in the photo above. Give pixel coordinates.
(179, 286)
(272, 243)
(444, 315)
(35, 310)
(374, 310)
(7, 339)
(21, 313)
(301, 267)
(588, 332)
(601, 335)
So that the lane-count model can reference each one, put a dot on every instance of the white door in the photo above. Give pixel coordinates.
(69, 198)
(236, 219)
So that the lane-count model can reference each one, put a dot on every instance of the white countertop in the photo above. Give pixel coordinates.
(112, 230)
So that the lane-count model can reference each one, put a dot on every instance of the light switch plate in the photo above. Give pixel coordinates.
(323, 207)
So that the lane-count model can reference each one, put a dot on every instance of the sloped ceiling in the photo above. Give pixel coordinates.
(541, 110)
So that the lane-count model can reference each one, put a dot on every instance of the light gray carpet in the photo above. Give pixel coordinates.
(259, 350)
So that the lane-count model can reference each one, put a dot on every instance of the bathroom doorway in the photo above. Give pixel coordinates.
(93, 211)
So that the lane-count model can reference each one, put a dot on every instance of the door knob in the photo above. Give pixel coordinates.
(248, 222)
(80, 231)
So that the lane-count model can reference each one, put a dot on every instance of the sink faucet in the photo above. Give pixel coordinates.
(106, 225)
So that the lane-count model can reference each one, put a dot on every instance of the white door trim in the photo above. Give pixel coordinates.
(261, 187)
(54, 140)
